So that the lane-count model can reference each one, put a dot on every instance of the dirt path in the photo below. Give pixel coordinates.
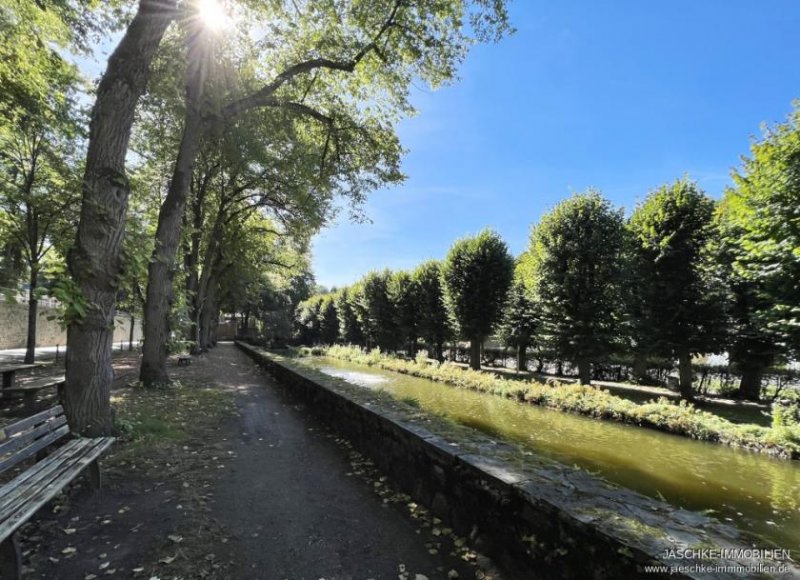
(297, 506)
(229, 479)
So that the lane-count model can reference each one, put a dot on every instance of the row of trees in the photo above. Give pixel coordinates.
(683, 275)
(212, 152)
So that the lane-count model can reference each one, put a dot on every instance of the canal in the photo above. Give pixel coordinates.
(754, 492)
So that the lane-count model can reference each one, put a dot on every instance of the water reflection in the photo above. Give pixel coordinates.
(755, 492)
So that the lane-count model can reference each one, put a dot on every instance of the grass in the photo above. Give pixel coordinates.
(681, 418)
(165, 417)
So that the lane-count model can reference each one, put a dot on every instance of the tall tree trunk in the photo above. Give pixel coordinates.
(191, 258)
(475, 353)
(640, 369)
(162, 266)
(33, 311)
(584, 371)
(750, 385)
(439, 351)
(94, 260)
(131, 333)
(170, 217)
(685, 374)
(522, 359)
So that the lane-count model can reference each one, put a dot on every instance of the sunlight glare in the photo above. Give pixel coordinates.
(213, 14)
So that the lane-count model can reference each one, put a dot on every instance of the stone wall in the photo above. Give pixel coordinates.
(14, 327)
(536, 518)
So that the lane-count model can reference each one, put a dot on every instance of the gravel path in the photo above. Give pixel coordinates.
(298, 509)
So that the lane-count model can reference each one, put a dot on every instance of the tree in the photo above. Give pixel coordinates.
(328, 320)
(575, 257)
(752, 346)
(405, 295)
(38, 182)
(94, 261)
(519, 323)
(379, 323)
(477, 273)
(765, 252)
(307, 317)
(349, 325)
(435, 326)
(324, 61)
(679, 302)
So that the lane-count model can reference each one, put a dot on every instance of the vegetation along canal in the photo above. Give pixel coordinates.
(757, 493)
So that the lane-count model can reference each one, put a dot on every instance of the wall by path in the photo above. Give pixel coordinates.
(536, 518)
(14, 327)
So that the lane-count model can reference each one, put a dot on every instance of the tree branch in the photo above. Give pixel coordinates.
(264, 96)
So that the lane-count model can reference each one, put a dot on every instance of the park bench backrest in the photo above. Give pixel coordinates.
(26, 438)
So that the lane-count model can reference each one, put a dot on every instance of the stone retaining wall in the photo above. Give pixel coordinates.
(536, 518)
(14, 327)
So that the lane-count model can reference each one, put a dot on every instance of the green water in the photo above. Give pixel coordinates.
(754, 492)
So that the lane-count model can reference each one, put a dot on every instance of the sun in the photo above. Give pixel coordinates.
(213, 14)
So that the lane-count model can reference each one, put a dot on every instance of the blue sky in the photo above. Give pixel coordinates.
(619, 95)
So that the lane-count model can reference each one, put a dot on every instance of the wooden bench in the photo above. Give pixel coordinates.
(32, 488)
(30, 388)
(184, 360)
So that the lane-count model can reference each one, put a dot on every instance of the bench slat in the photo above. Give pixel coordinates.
(20, 440)
(33, 448)
(49, 488)
(38, 471)
(11, 430)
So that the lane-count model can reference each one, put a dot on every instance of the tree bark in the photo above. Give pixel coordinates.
(750, 385)
(639, 369)
(584, 371)
(522, 359)
(33, 311)
(131, 333)
(161, 270)
(475, 353)
(94, 260)
(207, 314)
(685, 374)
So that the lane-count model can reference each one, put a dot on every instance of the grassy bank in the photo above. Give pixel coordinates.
(782, 439)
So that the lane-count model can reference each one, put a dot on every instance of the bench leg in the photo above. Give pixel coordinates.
(95, 476)
(29, 400)
(10, 559)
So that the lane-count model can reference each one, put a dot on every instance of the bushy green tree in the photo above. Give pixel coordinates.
(679, 302)
(349, 324)
(767, 253)
(435, 326)
(328, 320)
(519, 323)
(477, 273)
(575, 260)
(752, 346)
(405, 295)
(40, 128)
(307, 317)
(379, 323)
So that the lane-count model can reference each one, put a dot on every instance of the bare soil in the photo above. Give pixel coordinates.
(226, 476)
